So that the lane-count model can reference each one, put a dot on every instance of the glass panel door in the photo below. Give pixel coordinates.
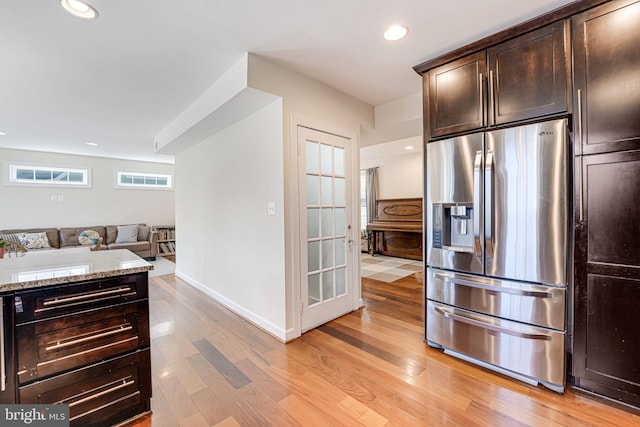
(326, 222)
(326, 231)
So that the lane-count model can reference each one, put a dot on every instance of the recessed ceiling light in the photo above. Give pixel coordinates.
(3, 133)
(79, 8)
(93, 144)
(396, 32)
(409, 147)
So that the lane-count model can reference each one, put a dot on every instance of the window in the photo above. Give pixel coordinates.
(46, 175)
(144, 180)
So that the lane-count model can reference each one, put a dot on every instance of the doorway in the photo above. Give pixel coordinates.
(397, 198)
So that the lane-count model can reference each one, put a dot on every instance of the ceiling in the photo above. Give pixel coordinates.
(379, 154)
(117, 81)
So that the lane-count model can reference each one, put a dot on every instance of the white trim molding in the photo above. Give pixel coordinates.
(293, 231)
(163, 181)
(282, 335)
(58, 175)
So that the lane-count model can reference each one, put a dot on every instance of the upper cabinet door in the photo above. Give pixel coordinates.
(527, 78)
(528, 75)
(606, 42)
(455, 95)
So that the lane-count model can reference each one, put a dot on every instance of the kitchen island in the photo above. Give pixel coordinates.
(75, 331)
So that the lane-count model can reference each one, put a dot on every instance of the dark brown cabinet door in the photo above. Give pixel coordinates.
(8, 375)
(456, 96)
(527, 78)
(608, 364)
(607, 279)
(85, 344)
(62, 300)
(528, 75)
(102, 394)
(606, 43)
(54, 345)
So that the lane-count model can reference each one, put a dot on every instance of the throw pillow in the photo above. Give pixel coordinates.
(127, 233)
(88, 237)
(34, 240)
(143, 233)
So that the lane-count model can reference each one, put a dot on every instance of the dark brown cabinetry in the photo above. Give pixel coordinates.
(606, 347)
(519, 79)
(71, 341)
(102, 394)
(455, 95)
(607, 283)
(528, 75)
(7, 351)
(606, 43)
(86, 345)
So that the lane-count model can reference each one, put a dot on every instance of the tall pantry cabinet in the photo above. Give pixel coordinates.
(606, 78)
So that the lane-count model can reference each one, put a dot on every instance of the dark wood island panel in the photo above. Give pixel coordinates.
(86, 345)
(76, 327)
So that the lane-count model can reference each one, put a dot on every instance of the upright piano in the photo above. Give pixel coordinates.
(396, 229)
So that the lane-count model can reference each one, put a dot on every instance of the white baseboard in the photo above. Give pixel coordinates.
(291, 335)
(270, 328)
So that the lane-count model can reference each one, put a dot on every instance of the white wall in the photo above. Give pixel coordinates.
(400, 110)
(228, 245)
(400, 177)
(400, 172)
(102, 204)
(309, 99)
(325, 108)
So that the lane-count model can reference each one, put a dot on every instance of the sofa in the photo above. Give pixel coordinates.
(141, 239)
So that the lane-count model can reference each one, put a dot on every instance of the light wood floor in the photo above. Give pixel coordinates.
(368, 368)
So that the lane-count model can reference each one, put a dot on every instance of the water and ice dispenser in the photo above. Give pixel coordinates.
(453, 227)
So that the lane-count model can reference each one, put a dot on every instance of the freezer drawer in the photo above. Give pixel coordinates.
(523, 302)
(524, 349)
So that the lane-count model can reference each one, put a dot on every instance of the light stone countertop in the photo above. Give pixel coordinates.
(55, 267)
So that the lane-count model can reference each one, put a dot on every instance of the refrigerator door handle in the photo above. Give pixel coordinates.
(477, 194)
(453, 316)
(489, 203)
(512, 291)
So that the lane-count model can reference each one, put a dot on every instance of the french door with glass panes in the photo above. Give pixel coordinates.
(325, 218)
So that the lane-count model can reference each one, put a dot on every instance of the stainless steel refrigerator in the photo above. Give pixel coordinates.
(497, 227)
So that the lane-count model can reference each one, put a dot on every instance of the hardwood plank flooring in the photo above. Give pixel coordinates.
(368, 368)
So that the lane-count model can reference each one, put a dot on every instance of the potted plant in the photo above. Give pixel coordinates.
(3, 244)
